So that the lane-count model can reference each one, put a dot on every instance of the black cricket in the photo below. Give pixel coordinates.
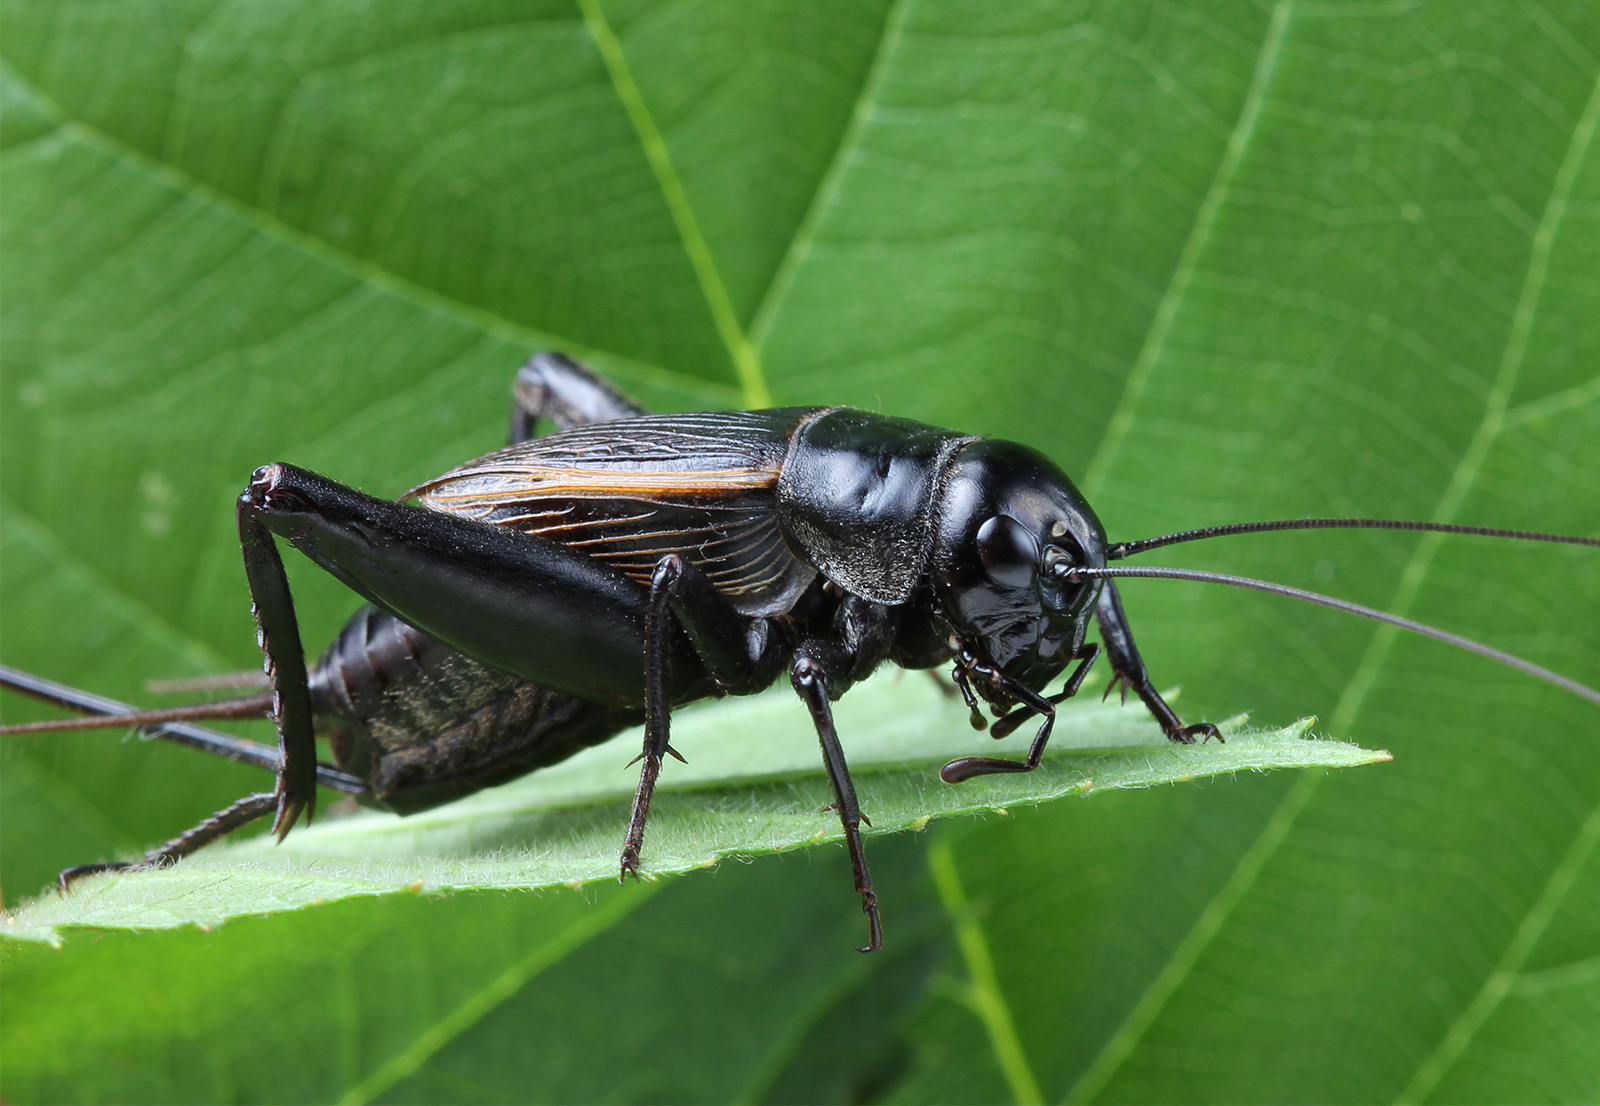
(541, 599)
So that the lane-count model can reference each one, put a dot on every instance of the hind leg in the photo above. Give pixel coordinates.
(219, 825)
(555, 387)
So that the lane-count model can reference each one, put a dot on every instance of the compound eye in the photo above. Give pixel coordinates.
(1009, 551)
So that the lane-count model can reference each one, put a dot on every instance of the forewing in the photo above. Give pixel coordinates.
(628, 492)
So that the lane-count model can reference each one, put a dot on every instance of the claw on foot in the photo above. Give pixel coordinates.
(869, 907)
(630, 864)
(288, 814)
(1205, 731)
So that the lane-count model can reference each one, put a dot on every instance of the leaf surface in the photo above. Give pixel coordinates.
(745, 792)
(1220, 261)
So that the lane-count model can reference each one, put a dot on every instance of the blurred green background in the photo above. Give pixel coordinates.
(1223, 261)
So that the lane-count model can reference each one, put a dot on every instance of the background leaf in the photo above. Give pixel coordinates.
(1224, 261)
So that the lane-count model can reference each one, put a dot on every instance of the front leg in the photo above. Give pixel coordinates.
(810, 675)
(964, 768)
(1127, 667)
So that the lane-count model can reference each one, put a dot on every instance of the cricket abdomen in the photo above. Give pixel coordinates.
(424, 724)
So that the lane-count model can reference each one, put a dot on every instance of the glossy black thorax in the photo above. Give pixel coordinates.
(857, 498)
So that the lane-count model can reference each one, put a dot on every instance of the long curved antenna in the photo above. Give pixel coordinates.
(223, 681)
(253, 706)
(1425, 630)
(182, 733)
(1144, 545)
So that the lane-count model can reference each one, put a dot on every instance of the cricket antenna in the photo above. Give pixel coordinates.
(180, 732)
(1073, 574)
(251, 706)
(1144, 545)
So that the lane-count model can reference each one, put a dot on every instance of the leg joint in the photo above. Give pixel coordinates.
(667, 573)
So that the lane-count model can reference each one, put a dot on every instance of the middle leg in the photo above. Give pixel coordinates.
(555, 387)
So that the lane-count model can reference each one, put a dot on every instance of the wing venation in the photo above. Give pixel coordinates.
(631, 491)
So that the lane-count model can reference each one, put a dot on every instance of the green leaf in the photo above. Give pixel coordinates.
(482, 996)
(752, 786)
(1222, 261)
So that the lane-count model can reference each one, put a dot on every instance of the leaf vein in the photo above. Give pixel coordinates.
(1276, 831)
(427, 1044)
(831, 181)
(1505, 976)
(987, 998)
(333, 256)
(1498, 983)
(1188, 260)
(742, 353)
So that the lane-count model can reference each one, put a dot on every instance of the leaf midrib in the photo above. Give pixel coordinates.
(359, 268)
(431, 1039)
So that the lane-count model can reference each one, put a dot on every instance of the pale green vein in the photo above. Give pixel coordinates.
(477, 1006)
(743, 353)
(1577, 973)
(1466, 473)
(795, 1031)
(1504, 979)
(1276, 831)
(21, 526)
(1538, 916)
(983, 991)
(39, 147)
(1188, 260)
(832, 181)
(354, 266)
(1127, 1035)
(1183, 959)
(1558, 403)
